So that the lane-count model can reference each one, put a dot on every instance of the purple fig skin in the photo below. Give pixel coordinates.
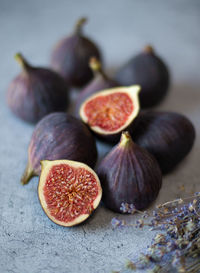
(129, 174)
(71, 55)
(168, 136)
(150, 72)
(59, 136)
(36, 92)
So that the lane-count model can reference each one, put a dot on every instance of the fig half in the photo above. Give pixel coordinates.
(71, 56)
(112, 110)
(129, 175)
(59, 136)
(36, 92)
(100, 82)
(149, 71)
(168, 136)
(68, 191)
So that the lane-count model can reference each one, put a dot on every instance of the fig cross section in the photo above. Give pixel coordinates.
(112, 110)
(68, 191)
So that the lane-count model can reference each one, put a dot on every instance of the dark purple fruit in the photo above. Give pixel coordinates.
(100, 82)
(129, 174)
(36, 92)
(168, 136)
(59, 136)
(150, 72)
(71, 56)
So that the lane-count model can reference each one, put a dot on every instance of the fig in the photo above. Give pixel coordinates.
(71, 55)
(150, 72)
(68, 191)
(111, 111)
(100, 82)
(36, 92)
(59, 136)
(130, 175)
(168, 136)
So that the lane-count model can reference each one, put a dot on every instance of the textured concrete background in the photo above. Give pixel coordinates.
(29, 241)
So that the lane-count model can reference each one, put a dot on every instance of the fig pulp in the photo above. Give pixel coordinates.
(36, 92)
(71, 55)
(168, 136)
(130, 175)
(112, 110)
(99, 82)
(150, 72)
(59, 136)
(68, 191)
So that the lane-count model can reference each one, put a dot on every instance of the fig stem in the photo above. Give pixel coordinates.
(125, 139)
(27, 175)
(149, 49)
(96, 67)
(22, 61)
(79, 24)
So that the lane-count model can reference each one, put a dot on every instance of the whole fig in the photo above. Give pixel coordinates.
(59, 136)
(36, 92)
(129, 175)
(168, 136)
(150, 72)
(71, 55)
(99, 82)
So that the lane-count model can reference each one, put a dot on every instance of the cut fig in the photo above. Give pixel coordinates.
(68, 191)
(112, 110)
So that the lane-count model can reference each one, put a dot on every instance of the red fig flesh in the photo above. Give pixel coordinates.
(110, 111)
(68, 191)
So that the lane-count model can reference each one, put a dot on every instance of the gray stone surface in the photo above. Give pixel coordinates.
(29, 241)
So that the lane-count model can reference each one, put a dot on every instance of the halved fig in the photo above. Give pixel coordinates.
(111, 111)
(68, 191)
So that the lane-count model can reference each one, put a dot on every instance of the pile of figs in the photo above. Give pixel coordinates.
(145, 143)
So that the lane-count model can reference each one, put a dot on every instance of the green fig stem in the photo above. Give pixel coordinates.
(27, 175)
(96, 67)
(125, 139)
(79, 24)
(95, 64)
(148, 49)
(22, 61)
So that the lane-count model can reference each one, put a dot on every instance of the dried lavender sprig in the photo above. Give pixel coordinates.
(131, 209)
(180, 220)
